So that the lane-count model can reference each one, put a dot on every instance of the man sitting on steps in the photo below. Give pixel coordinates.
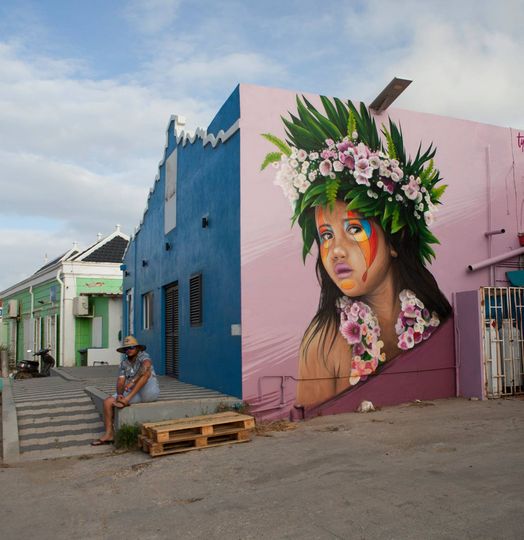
(136, 383)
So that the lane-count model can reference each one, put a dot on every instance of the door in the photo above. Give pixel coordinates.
(171, 318)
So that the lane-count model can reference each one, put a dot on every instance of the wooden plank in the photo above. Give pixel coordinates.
(197, 420)
(160, 449)
(182, 428)
(169, 433)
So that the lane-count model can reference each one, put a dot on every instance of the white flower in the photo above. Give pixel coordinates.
(301, 155)
(394, 163)
(313, 155)
(380, 184)
(398, 197)
(354, 135)
(293, 152)
(374, 161)
(338, 166)
(395, 177)
(325, 167)
(312, 175)
(429, 218)
(293, 163)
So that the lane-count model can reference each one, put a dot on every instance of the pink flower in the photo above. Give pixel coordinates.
(411, 190)
(362, 180)
(363, 167)
(405, 342)
(351, 331)
(349, 162)
(329, 143)
(325, 167)
(362, 150)
(389, 186)
(355, 309)
(338, 166)
(358, 349)
(342, 146)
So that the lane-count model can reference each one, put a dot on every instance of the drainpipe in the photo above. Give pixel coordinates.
(488, 174)
(61, 340)
(31, 315)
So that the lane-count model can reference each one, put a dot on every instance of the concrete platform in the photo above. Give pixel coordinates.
(177, 400)
(181, 401)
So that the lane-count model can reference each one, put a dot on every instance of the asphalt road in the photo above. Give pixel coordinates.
(444, 469)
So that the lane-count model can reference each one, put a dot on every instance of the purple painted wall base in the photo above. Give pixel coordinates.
(426, 372)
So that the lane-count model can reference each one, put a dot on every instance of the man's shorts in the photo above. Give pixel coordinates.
(149, 392)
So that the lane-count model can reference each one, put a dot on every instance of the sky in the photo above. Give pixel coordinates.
(87, 89)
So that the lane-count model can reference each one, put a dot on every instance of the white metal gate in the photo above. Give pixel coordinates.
(503, 319)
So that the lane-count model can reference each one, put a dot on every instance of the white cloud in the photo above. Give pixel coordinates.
(77, 152)
(150, 16)
(462, 56)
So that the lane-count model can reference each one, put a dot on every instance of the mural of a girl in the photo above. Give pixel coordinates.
(368, 208)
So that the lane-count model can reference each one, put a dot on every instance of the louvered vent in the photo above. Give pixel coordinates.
(195, 300)
(171, 335)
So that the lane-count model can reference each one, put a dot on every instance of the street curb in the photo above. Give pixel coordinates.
(10, 441)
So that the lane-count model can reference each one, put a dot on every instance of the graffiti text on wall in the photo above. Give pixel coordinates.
(520, 141)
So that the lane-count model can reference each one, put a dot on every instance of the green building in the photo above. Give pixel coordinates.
(72, 305)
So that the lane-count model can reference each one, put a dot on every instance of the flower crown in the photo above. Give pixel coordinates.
(341, 156)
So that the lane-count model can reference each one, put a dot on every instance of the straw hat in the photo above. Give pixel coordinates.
(130, 341)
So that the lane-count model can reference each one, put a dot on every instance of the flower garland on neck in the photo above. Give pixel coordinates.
(360, 328)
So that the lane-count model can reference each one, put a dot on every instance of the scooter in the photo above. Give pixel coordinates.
(27, 369)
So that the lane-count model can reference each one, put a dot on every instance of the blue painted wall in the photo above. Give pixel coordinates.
(208, 184)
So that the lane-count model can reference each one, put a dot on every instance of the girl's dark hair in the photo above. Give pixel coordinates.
(409, 272)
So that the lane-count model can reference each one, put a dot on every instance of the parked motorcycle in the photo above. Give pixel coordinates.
(27, 369)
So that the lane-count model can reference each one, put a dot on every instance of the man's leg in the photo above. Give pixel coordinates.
(108, 419)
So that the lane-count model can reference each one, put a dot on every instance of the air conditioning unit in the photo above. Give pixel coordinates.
(12, 308)
(80, 306)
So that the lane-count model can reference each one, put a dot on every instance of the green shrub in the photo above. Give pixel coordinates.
(127, 437)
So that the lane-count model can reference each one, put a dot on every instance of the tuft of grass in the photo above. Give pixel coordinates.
(127, 437)
(240, 407)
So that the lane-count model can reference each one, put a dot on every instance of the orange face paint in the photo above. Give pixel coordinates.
(366, 237)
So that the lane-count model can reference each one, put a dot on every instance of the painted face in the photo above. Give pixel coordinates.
(353, 249)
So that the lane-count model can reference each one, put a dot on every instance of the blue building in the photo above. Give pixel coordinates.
(182, 267)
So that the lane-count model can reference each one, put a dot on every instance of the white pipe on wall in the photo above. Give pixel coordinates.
(494, 260)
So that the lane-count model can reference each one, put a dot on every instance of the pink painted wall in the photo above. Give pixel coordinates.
(280, 293)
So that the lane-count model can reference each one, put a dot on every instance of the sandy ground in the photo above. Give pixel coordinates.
(444, 469)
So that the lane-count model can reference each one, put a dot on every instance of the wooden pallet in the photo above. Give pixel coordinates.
(183, 434)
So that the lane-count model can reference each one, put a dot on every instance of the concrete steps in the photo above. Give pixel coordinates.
(55, 419)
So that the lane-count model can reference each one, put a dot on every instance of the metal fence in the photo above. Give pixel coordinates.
(503, 332)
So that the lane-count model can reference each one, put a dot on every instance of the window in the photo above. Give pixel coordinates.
(170, 193)
(195, 300)
(147, 311)
(130, 312)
